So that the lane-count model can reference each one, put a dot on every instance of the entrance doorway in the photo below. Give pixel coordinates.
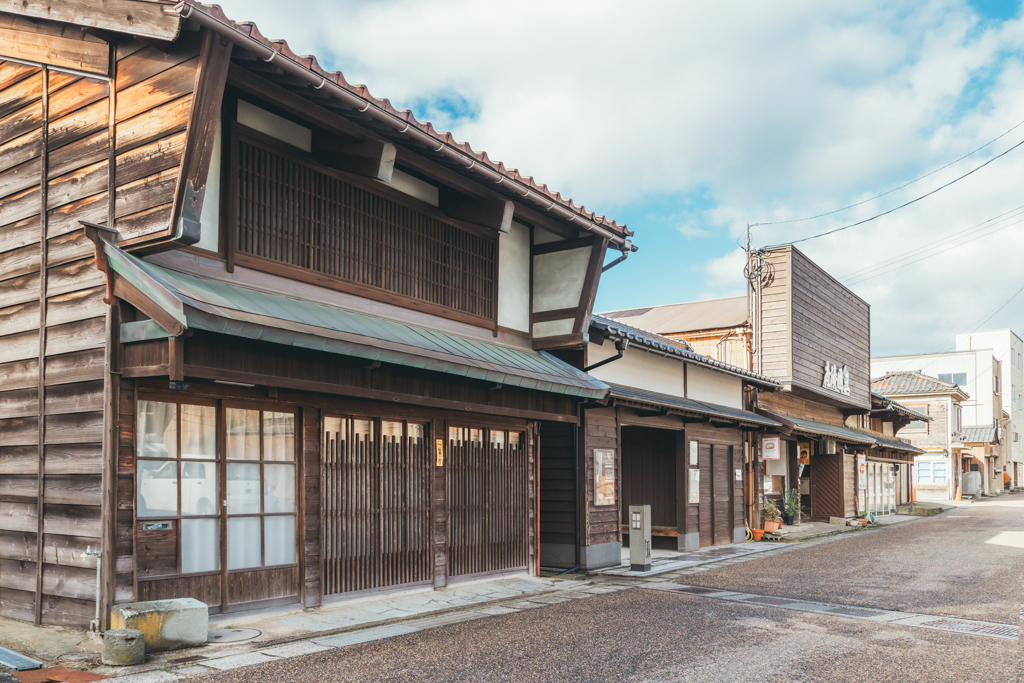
(649, 478)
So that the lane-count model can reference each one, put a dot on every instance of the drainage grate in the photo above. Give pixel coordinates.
(977, 629)
(769, 601)
(697, 590)
(854, 612)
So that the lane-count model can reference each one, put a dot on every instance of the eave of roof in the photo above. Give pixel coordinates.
(896, 406)
(359, 99)
(978, 434)
(676, 348)
(689, 406)
(813, 428)
(191, 301)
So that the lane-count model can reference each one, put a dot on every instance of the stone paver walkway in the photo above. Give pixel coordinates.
(662, 562)
(930, 621)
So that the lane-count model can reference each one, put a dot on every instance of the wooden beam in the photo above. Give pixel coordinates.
(370, 158)
(90, 56)
(559, 341)
(128, 292)
(176, 358)
(214, 60)
(652, 413)
(391, 397)
(495, 214)
(292, 103)
(557, 314)
(563, 245)
(135, 17)
(590, 283)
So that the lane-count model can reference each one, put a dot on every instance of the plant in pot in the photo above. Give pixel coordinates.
(791, 507)
(772, 516)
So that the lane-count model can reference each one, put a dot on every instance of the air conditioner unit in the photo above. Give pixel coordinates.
(830, 447)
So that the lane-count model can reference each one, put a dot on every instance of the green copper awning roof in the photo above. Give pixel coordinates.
(191, 301)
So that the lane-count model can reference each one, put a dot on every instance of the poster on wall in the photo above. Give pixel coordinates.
(860, 502)
(694, 495)
(806, 451)
(862, 472)
(604, 476)
(771, 447)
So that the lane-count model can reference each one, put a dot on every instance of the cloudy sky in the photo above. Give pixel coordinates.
(687, 121)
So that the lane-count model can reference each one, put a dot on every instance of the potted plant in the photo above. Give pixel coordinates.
(791, 507)
(772, 516)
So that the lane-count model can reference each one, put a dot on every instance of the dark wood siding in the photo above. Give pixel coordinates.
(649, 474)
(557, 484)
(54, 128)
(827, 483)
(294, 212)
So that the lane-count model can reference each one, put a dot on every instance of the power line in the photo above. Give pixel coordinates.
(902, 206)
(926, 247)
(897, 265)
(895, 189)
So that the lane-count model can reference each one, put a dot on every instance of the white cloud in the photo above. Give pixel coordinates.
(771, 110)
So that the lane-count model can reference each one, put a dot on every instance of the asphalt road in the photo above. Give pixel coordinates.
(645, 635)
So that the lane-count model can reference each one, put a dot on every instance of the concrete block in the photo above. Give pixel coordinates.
(165, 624)
(601, 555)
(123, 647)
(838, 521)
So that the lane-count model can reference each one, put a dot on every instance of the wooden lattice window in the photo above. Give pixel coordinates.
(323, 222)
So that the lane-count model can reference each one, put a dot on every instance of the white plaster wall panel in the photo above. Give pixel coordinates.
(275, 126)
(414, 187)
(209, 218)
(514, 278)
(558, 279)
(707, 385)
(638, 369)
(553, 328)
(542, 236)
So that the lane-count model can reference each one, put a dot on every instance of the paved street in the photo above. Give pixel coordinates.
(963, 564)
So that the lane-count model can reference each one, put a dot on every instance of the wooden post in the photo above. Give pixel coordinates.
(41, 476)
(439, 503)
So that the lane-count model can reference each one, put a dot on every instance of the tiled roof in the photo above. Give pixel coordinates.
(978, 434)
(401, 120)
(675, 347)
(691, 316)
(689, 405)
(891, 404)
(911, 382)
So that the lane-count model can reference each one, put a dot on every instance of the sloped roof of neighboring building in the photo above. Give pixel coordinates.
(691, 316)
(978, 434)
(714, 411)
(676, 347)
(891, 404)
(912, 382)
(355, 101)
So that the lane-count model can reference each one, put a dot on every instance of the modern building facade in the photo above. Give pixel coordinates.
(1008, 348)
(980, 374)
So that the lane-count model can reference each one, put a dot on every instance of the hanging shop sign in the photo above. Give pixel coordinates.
(440, 452)
(806, 451)
(862, 472)
(771, 447)
(604, 476)
(837, 378)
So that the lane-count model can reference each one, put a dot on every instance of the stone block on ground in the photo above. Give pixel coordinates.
(838, 521)
(123, 647)
(165, 624)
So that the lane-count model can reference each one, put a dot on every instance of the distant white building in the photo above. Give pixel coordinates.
(1007, 348)
(979, 372)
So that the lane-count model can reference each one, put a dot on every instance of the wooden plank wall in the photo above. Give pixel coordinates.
(557, 484)
(600, 524)
(775, 319)
(53, 126)
(154, 85)
(829, 322)
(720, 451)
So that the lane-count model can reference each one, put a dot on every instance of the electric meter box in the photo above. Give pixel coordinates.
(640, 538)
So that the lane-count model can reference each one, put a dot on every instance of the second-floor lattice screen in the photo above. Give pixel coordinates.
(297, 213)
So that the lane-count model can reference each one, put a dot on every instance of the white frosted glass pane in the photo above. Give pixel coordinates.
(243, 489)
(243, 428)
(198, 431)
(497, 438)
(280, 537)
(416, 431)
(279, 488)
(391, 431)
(513, 438)
(198, 488)
(157, 488)
(362, 430)
(278, 436)
(243, 542)
(200, 546)
(158, 431)
(336, 427)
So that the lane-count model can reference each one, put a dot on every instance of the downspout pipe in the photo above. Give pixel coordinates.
(187, 10)
(620, 346)
(627, 249)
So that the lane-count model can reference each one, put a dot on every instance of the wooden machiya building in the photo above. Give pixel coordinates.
(263, 338)
(837, 442)
(673, 433)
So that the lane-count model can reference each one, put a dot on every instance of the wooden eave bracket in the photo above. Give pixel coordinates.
(370, 158)
(100, 234)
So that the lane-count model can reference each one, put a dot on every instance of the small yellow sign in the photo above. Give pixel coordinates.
(440, 452)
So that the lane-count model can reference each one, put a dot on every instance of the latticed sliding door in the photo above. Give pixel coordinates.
(488, 501)
(376, 504)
